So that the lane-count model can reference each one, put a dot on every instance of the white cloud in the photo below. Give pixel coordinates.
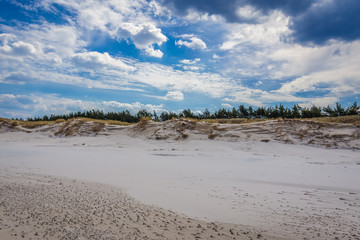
(126, 19)
(46, 42)
(191, 42)
(174, 96)
(340, 82)
(144, 36)
(189, 64)
(33, 105)
(188, 61)
(266, 34)
(215, 56)
(195, 16)
(5, 37)
(191, 68)
(170, 96)
(166, 78)
(153, 53)
(226, 105)
(96, 60)
(46, 104)
(18, 49)
(330, 71)
(248, 13)
(320, 102)
(132, 107)
(258, 98)
(247, 48)
(332, 68)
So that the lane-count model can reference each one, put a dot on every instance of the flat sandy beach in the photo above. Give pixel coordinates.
(180, 180)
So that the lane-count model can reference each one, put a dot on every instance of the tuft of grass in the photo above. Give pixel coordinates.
(70, 127)
(143, 122)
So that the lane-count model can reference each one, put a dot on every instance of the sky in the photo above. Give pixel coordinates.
(61, 56)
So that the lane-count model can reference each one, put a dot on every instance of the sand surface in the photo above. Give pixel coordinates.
(44, 207)
(237, 180)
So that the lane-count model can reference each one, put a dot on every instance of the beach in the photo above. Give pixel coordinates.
(180, 180)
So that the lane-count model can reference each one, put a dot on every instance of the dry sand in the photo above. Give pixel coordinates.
(45, 207)
(272, 180)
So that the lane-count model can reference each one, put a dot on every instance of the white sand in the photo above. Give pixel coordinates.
(288, 190)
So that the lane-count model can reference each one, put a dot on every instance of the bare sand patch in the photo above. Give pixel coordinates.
(45, 207)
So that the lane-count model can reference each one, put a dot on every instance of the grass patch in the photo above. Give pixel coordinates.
(355, 120)
(34, 124)
(110, 122)
(28, 124)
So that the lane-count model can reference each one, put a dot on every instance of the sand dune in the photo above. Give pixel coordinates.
(329, 135)
(180, 180)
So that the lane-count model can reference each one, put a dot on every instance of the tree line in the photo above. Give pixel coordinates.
(279, 111)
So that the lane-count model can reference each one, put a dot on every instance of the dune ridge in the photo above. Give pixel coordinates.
(302, 132)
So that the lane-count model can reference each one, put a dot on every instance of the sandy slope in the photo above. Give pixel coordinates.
(240, 174)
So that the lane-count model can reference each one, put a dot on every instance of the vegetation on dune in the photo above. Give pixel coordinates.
(38, 123)
(242, 114)
(29, 124)
(355, 119)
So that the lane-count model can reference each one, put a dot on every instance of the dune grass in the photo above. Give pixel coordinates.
(28, 124)
(110, 122)
(341, 119)
(34, 124)
(355, 120)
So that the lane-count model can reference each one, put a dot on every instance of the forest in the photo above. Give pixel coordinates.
(279, 111)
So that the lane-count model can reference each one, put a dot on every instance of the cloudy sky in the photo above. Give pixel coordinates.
(58, 56)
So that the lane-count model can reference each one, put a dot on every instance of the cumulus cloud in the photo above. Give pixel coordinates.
(174, 96)
(129, 20)
(144, 36)
(96, 60)
(265, 34)
(247, 47)
(191, 42)
(18, 49)
(47, 42)
(248, 13)
(153, 53)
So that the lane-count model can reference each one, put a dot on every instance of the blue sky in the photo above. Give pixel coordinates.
(58, 56)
